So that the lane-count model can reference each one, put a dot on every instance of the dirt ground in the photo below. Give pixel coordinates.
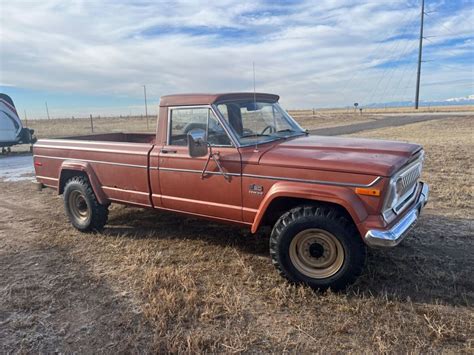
(162, 282)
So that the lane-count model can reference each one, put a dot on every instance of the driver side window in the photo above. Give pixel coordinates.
(183, 120)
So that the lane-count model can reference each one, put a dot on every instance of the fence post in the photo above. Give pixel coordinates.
(92, 124)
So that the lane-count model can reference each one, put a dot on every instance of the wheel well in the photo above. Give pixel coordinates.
(280, 205)
(68, 174)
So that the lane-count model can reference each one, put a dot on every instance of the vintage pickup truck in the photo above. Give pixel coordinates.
(240, 158)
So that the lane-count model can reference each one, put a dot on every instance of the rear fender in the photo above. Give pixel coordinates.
(342, 196)
(87, 169)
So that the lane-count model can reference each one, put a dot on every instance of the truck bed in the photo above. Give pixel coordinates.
(117, 162)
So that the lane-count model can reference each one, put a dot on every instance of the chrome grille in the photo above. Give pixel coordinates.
(408, 179)
(403, 188)
(406, 186)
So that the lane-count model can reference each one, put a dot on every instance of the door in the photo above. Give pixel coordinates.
(184, 187)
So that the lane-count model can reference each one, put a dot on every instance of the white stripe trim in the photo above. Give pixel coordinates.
(46, 178)
(320, 182)
(91, 161)
(197, 171)
(91, 141)
(126, 191)
(116, 151)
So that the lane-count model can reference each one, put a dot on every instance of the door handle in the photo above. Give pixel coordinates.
(166, 151)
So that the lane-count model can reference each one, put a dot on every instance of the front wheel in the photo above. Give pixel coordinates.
(317, 246)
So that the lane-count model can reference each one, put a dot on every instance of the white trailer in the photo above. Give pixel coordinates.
(12, 131)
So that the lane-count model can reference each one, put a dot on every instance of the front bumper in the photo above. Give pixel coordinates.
(393, 236)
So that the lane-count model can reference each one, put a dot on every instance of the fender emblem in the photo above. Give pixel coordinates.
(256, 189)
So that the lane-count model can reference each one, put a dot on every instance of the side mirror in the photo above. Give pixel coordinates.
(197, 143)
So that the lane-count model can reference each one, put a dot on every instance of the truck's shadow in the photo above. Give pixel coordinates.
(433, 265)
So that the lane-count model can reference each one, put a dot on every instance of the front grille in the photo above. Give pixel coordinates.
(406, 186)
(408, 179)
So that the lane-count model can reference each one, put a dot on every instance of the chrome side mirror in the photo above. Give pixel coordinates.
(197, 143)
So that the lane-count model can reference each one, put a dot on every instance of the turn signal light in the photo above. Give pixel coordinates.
(368, 192)
(37, 163)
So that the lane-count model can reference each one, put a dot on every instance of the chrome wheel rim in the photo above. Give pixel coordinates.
(78, 206)
(316, 253)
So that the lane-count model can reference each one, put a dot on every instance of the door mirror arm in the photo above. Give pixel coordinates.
(215, 157)
(198, 146)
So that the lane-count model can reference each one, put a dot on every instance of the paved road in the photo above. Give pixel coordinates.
(392, 121)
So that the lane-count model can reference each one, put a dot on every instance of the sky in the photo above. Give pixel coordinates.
(93, 57)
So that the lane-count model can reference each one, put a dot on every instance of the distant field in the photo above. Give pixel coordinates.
(63, 127)
(310, 119)
(385, 110)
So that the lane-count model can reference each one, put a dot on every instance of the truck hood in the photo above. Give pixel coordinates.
(352, 155)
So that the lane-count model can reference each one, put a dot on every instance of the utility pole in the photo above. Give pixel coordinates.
(92, 123)
(146, 107)
(47, 111)
(26, 120)
(420, 52)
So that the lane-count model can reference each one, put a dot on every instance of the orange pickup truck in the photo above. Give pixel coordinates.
(240, 158)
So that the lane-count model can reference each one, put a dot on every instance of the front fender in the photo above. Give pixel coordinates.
(343, 196)
(84, 167)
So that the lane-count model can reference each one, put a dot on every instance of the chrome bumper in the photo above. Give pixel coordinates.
(393, 236)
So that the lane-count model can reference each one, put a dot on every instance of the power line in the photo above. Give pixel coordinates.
(408, 49)
(357, 72)
(457, 68)
(388, 69)
(411, 77)
(388, 73)
(442, 25)
(406, 70)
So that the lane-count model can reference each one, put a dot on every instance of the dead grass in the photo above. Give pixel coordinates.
(69, 127)
(55, 128)
(385, 110)
(158, 282)
(310, 119)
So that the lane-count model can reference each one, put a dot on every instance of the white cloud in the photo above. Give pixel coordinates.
(312, 53)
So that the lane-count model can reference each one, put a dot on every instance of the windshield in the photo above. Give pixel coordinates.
(258, 122)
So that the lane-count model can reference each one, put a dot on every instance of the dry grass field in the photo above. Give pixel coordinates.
(158, 282)
(390, 110)
(310, 119)
(68, 127)
(64, 127)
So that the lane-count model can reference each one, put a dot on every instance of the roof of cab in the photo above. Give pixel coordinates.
(208, 99)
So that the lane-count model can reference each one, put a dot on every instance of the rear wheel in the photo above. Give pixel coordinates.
(317, 246)
(82, 208)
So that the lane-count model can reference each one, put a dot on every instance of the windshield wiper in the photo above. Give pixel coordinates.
(254, 135)
(286, 130)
